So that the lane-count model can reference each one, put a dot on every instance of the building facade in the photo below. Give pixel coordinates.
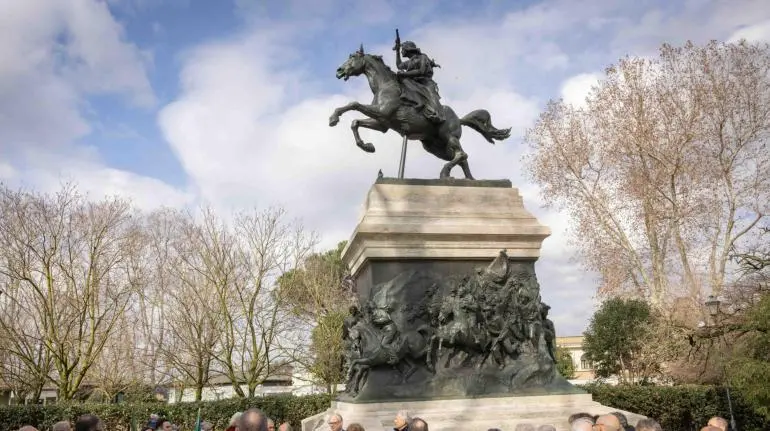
(220, 388)
(584, 372)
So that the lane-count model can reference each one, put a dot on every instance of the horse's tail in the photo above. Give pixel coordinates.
(480, 121)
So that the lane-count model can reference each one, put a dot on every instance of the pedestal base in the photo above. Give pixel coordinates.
(503, 413)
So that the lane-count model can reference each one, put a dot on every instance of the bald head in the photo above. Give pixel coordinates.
(419, 424)
(252, 420)
(718, 422)
(710, 428)
(621, 418)
(61, 426)
(27, 428)
(608, 422)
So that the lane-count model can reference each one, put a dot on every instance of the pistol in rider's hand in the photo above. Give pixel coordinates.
(397, 46)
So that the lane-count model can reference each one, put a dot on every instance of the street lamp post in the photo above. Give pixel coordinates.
(713, 304)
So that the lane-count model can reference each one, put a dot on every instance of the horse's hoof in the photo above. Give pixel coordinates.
(333, 121)
(369, 148)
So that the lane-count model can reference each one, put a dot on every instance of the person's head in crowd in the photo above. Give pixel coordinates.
(401, 421)
(582, 424)
(335, 422)
(164, 424)
(61, 426)
(583, 415)
(252, 420)
(418, 424)
(623, 420)
(718, 422)
(233, 424)
(89, 423)
(648, 425)
(607, 423)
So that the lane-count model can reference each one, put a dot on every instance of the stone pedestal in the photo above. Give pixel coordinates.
(446, 226)
(442, 221)
(450, 323)
(503, 413)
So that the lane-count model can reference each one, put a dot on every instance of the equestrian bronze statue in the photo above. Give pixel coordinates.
(408, 102)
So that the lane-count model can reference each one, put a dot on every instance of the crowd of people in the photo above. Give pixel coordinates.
(255, 420)
(617, 421)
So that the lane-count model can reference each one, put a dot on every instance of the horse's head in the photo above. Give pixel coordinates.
(354, 65)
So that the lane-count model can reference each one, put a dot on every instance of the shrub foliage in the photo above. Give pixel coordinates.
(120, 417)
(681, 408)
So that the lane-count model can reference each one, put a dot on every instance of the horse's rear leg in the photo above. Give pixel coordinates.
(368, 123)
(410, 368)
(466, 169)
(458, 156)
(429, 358)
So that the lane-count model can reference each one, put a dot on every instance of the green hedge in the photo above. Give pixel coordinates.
(680, 408)
(677, 408)
(118, 417)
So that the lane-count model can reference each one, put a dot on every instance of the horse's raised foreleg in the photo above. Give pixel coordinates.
(368, 123)
(335, 118)
(375, 112)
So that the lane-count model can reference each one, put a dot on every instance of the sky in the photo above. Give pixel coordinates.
(226, 102)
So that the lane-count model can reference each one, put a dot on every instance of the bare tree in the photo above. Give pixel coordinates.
(269, 245)
(92, 293)
(67, 253)
(117, 369)
(665, 171)
(159, 276)
(25, 363)
(193, 326)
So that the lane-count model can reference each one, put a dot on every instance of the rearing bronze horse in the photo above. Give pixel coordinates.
(387, 111)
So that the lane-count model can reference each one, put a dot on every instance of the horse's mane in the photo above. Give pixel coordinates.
(379, 58)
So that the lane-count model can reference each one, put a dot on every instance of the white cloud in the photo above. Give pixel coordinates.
(53, 55)
(575, 89)
(753, 33)
(46, 171)
(7, 172)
